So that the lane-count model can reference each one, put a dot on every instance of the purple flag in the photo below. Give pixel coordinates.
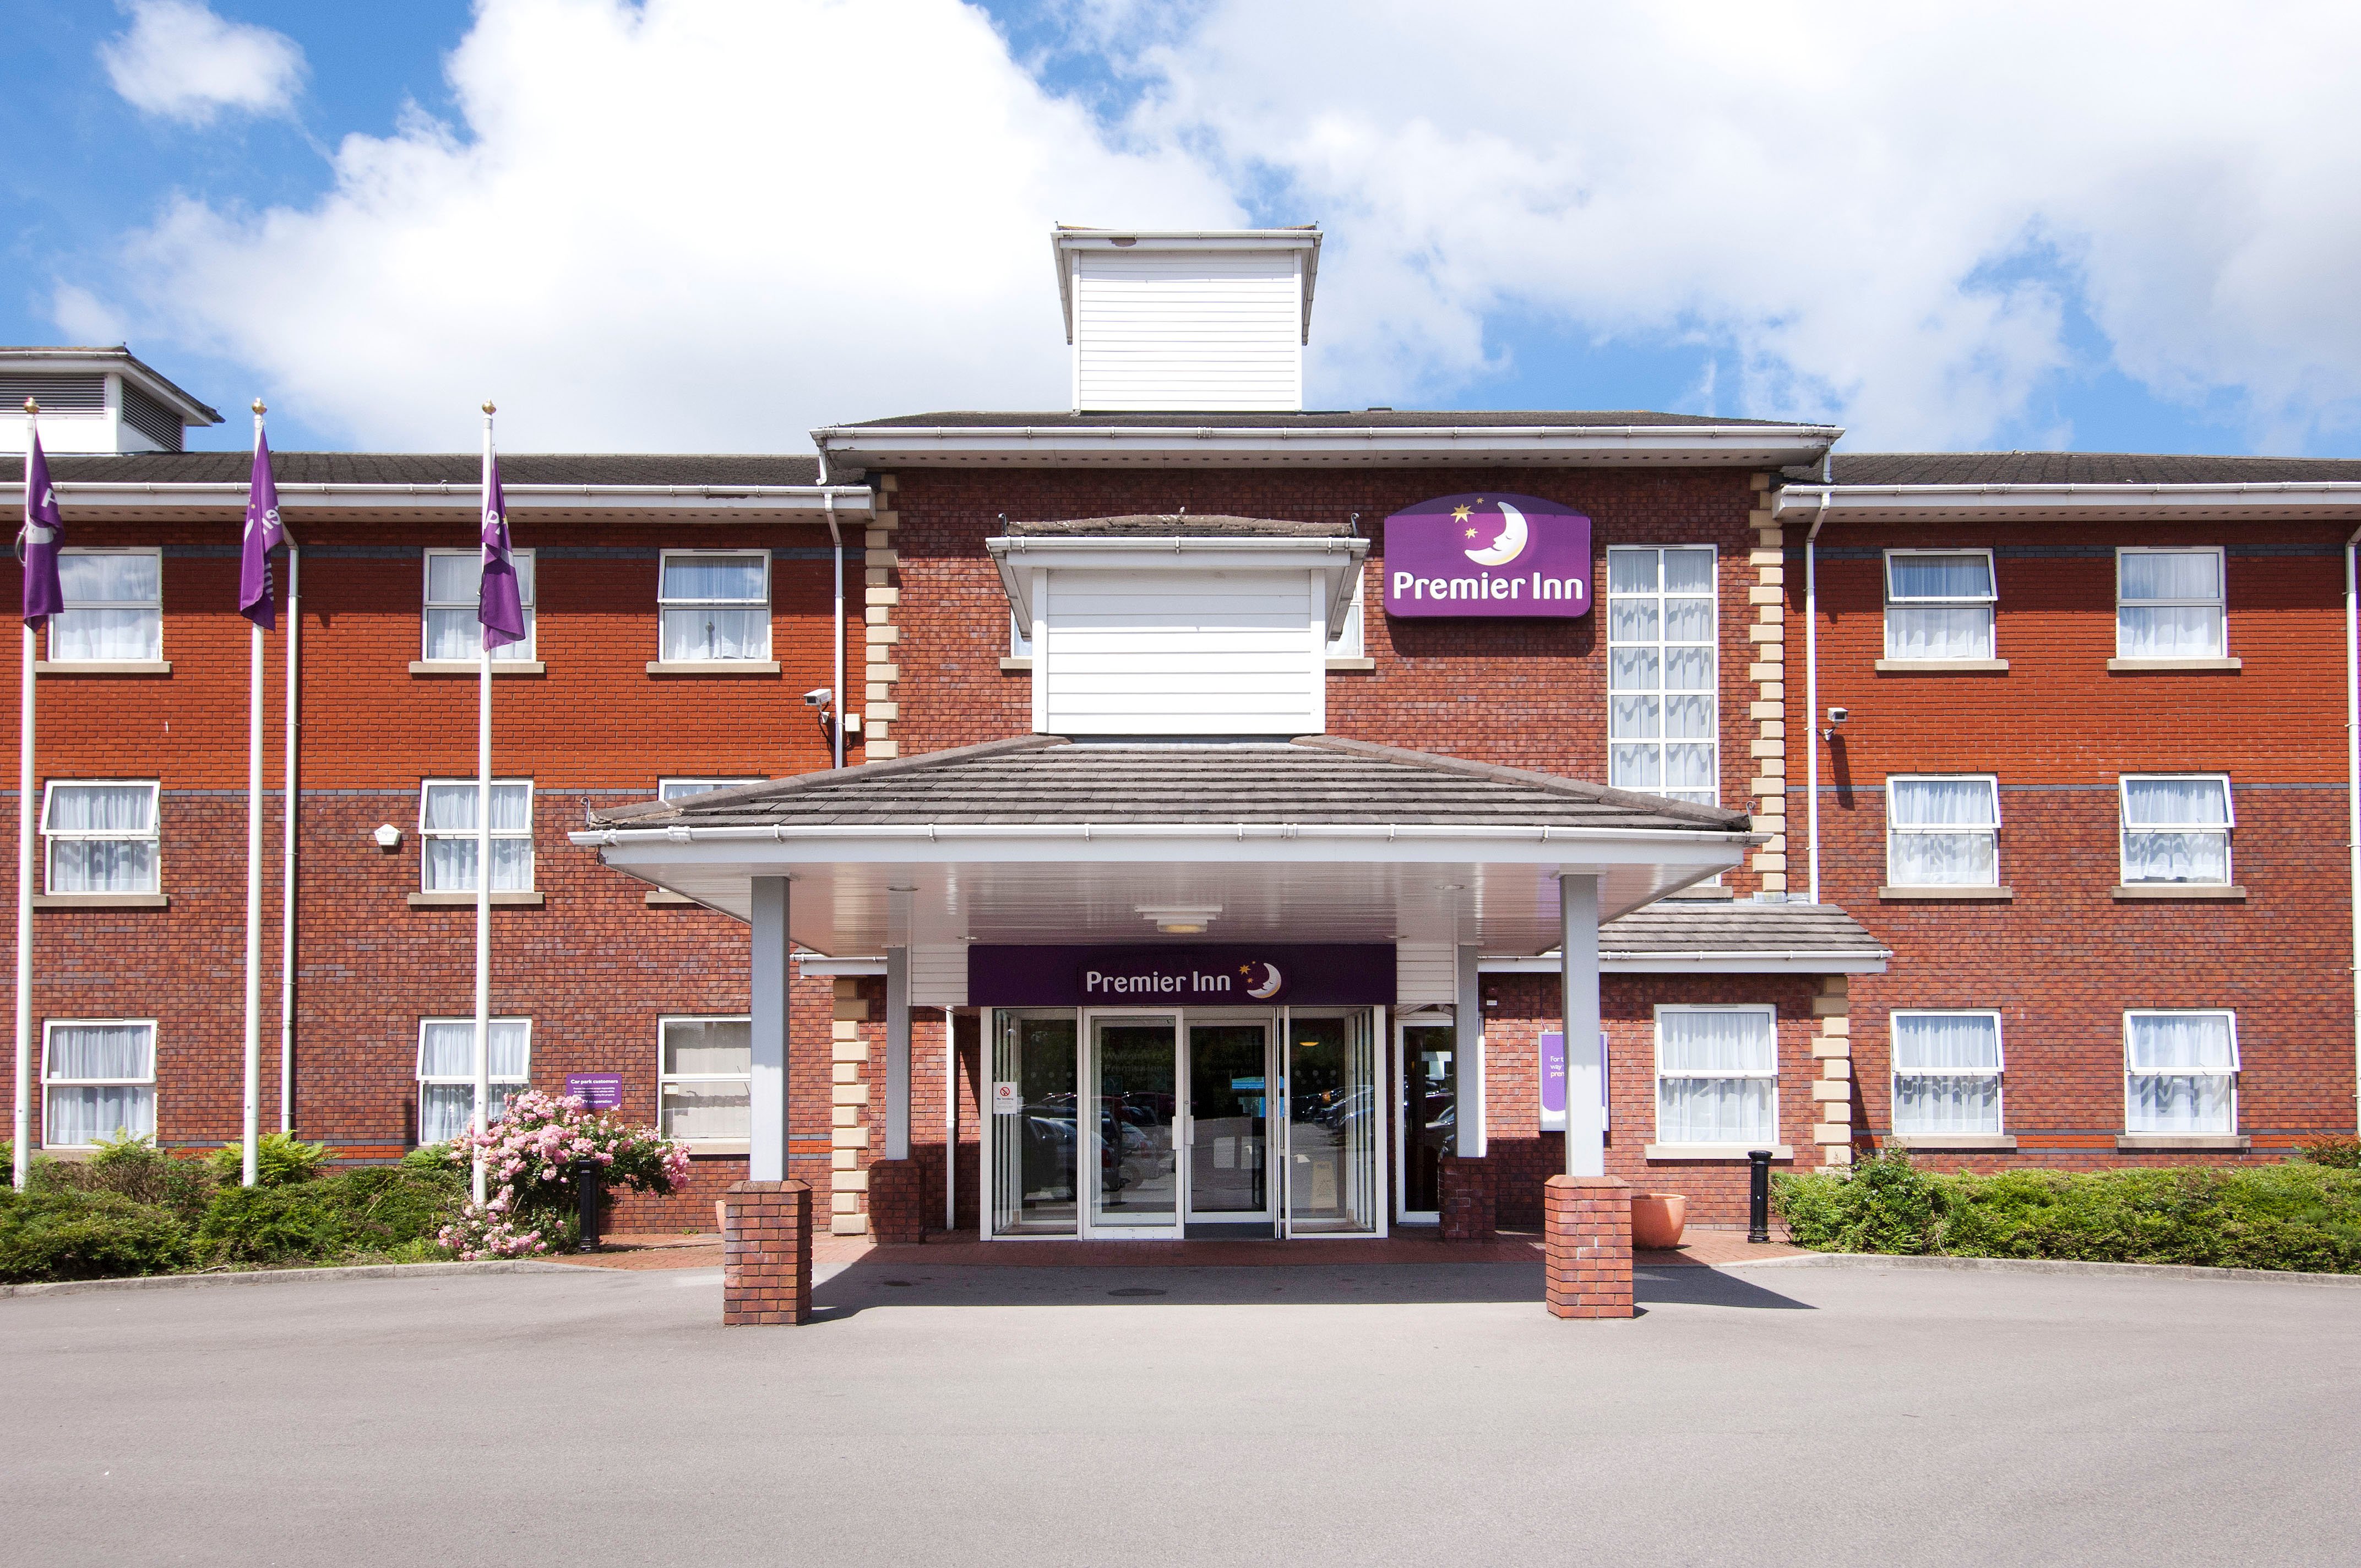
(263, 532)
(37, 543)
(498, 603)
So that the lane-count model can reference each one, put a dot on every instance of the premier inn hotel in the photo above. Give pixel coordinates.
(1188, 815)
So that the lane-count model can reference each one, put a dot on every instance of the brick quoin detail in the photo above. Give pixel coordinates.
(1468, 1209)
(1589, 1245)
(766, 1253)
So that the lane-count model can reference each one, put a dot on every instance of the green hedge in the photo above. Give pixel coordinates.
(2302, 1215)
(74, 1235)
(376, 1209)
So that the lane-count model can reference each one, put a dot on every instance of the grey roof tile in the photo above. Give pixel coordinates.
(2071, 469)
(719, 471)
(1695, 925)
(1309, 418)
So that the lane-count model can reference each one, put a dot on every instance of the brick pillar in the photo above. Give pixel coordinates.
(766, 1253)
(1589, 1219)
(897, 1200)
(1470, 1200)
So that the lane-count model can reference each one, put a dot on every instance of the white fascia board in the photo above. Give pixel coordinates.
(1754, 446)
(2256, 501)
(104, 495)
(1338, 561)
(813, 965)
(1775, 963)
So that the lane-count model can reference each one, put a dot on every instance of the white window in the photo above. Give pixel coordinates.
(2180, 1071)
(717, 605)
(1663, 722)
(101, 836)
(453, 580)
(681, 789)
(1947, 1069)
(1349, 642)
(2168, 605)
(1938, 604)
(1716, 1076)
(704, 1069)
(2177, 827)
(446, 828)
(115, 607)
(446, 1072)
(98, 1080)
(1943, 831)
(1019, 645)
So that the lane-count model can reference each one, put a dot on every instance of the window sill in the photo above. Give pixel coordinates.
(1956, 893)
(1015, 666)
(2131, 1142)
(719, 1149)
(1943, 666)
(469, 666)
(2201, 892)
(1351, 664)
(713, 666)
(2141, 667)
(467, 900)
(103, 667)
(1958, 1141)
(102, 901)
(1736, 1153)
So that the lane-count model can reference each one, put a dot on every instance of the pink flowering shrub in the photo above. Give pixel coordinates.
(530, 1205)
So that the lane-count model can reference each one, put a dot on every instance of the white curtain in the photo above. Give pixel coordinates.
(84, 1113)
(447, 1051)
(708, 1047)
(2169, 631)
(1717, 1078)
(1918, 858)
(2198, 807)
(2171, 574)
(113, 609)
(102, 864)
(2181, 1065)
(1946, 1073)
(1938, 576)
(102, 1050)
(450, 809)
(1938, 631)
(1632, 572)
(452, 629)
(706, 633)
(1689, 572)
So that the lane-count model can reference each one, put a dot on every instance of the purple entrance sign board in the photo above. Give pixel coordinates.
(598, 1090)
(1242, 974)
(1488, 556)
(1554, 1078)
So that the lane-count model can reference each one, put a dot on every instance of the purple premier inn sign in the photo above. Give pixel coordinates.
(1488, 556)
(1242, 974)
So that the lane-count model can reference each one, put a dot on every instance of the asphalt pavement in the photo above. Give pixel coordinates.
(1113, 1416)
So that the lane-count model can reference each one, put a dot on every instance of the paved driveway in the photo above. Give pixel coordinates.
(1424, 1414)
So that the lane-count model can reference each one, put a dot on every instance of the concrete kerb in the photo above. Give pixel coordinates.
(285, 1276)
(2041, 1265)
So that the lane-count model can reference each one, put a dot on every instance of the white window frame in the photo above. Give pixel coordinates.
(665, 1079)
(1657, 1095)
(50, 1081)
(51, 836)
(427, 835)
(1989, 600)
(156, 606)
(1353, 642)
(2235, 1068)
(1019, 645)
(672, 789)
(2222, 603)
(529, 584)
(1894, 1074)
(665, 606)
(2123, 829)
(1712, 689)
(514, 1083)
(1992, 781)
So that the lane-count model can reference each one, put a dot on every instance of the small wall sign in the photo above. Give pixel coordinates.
(1553, 1081)
(1007, 1099)
(597, 1090)
(1488, 556)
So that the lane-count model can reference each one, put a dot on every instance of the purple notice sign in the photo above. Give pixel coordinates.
(598, 1090)
(1488, 556)
(1241, 974)
(1554, 1078)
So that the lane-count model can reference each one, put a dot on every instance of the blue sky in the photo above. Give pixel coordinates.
(1501, 261)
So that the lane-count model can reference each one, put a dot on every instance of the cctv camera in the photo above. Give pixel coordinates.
(1838, 715)
(817, 697)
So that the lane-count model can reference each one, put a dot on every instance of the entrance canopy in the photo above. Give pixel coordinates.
(1043, 840)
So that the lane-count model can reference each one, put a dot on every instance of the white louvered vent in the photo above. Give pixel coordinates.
(1179, 653)
(1171, 322)
(938, 974)
(1425, 974)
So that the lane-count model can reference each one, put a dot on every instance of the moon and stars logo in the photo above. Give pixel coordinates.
(1510, 542)
(1268, 987)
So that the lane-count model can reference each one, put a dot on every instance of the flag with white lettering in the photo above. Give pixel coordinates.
(36, 544)
(263, 533)
(499, 605)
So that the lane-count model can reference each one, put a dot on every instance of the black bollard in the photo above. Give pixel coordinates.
(586, 1184)
(1758, 1195)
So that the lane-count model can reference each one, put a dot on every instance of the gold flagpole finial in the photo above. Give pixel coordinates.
(31, 407)
(489, 408)
(259, 408)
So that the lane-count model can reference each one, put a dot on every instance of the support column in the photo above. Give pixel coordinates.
(767, 1219)
(898, 1053)
(1468, 1056)
(767, 1147)
(1586, 1099)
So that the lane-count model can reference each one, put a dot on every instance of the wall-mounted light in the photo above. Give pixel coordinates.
(388, 836)
(1188, 921)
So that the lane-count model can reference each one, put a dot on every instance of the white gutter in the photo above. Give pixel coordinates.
(1812, 689)
(1206, 832)
(2353, 790)
(1339, 560)
(896, 446)
(464, 496)
(1901, 502)
(836, 542)
(1766, 961)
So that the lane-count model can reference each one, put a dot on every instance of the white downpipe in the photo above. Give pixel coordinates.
(2353, 788)
(483, 849)
(21, 1122)
(951, 1122)
(287, 853)
(1812, 688)
(836, 739)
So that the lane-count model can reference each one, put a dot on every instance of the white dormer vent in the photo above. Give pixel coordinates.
(1211, 321)
(94, 399)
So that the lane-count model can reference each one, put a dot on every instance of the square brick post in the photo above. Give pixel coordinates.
(766, 1253)
(1470, 1200)
(1589, 1247)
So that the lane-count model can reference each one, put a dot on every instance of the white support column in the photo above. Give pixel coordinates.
(1468, 1057)
(898, 1053)
(767, 1151)
(1586, 1098)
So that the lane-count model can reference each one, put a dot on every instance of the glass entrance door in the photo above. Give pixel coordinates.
(1134, 1085)
(1429, 1115)
(1335, 1124)
(1229, 1123)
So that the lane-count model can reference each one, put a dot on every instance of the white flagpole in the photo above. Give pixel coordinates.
(287, 857)
(20, 1150)
(253, 1096)
(483, 847)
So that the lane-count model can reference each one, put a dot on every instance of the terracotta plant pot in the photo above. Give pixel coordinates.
(1658, 1219)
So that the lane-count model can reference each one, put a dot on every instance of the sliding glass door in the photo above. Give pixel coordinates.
(1335, 1126)
(1134, 1096)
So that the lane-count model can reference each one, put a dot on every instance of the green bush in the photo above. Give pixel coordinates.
(2302, 1215)
(372, 1210)
(133, 1168)
(2338, 1151)
(280, 1160)
(69, 1233)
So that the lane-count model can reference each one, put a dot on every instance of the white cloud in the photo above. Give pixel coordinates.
(714, 224)
(182, 62)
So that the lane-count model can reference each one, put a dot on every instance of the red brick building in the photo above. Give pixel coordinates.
(1141, 690)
